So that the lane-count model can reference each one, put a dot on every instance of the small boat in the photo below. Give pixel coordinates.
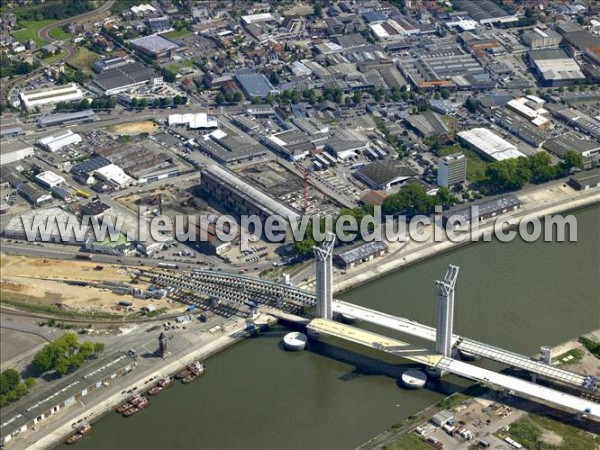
(184, 373)
(196, 368)
(189, 379)
(142, 403)
(124, 407)
(81, 432)
(161, 384)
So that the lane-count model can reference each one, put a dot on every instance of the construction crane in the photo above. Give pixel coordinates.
(305, 186)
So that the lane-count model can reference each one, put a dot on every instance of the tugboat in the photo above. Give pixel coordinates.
(159, 386)
(81, 432)
(183, 373)
(142, 404)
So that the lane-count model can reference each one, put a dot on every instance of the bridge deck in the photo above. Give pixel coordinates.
(476, 348)
(407, 351)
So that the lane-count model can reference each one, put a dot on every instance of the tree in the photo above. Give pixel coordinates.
(237, 96)
(541, 168)
(9, 379)
(63, 354)
(143, 103)
(357, 97)
(273, 78)
(134, 102)
(571, 160)
(177, 100)
(99, 347)
(471, 105)
(445, 93)
(219, 99)
(29, 383)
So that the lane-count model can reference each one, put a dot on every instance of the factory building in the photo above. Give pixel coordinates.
(452, 170)
(198, 121)
(155, 46)
(66, 118)
(487, 208)
(484, 11)
(382, 175)
(588, 148)
(59, 232)
(33, 194)
(41, 98)
(55, 142)
(253, 84)
(236, 195)
(125, 77)
(554, 67)
(585, 180)
(226, 146)
(14, 151)
(361, 253)
(114, 175)
(489, 145)
(536, 38)
(49, 179)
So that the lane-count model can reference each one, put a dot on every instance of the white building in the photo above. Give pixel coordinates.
(50, 96)
(114, 175)
(193, 121)
(55, 142)
(452, 169)
(258, 18)
(14, 151)
(49, 179)
(489, 144)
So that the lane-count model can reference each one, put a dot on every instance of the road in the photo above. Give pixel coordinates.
(43, 34)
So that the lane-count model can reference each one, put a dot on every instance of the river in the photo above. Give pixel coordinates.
(256, 395)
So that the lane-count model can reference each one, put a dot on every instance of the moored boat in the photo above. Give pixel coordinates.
(189, 379)
(159, 386)
(140, 404)
(81, 432)
(184, 373)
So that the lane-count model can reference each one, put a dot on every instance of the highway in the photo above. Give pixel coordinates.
(424, 356)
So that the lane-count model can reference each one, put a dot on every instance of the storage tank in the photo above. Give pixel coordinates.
(295, 341)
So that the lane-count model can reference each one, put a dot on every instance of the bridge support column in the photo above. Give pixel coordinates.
(324, 275)
(534, 377)
(445, 314)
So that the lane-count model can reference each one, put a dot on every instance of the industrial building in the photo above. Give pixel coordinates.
(293, 145)
(486, 209)
(578, 120)
(588, 148)
(585, 180)
(554, 67)
(26, 414)
(226, 146)
(55, 142)
(382, 175)
(536, 38)
(452, 170)
(253, 84)
(201, 121)
(114, 175)
(518, 126)
(125, 77)
(41, 98)
(531, 110)
(11, 152)
(95, 209)
(8, 132)
(427, 124)
(484, 11)
(49, 179)
(489, 144)
(59, 232)
(146, 163)
(84, 170)
(33, 194)
(361, 253)
(236, 195)
(110, 63)
(155, 46)
(66, 118)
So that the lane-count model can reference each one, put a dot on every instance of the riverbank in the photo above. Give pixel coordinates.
(49, 434)
(537, 203)
(475, 397)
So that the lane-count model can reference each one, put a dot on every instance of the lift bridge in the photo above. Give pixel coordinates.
(243, 289)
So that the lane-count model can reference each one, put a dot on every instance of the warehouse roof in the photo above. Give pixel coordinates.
(154, 43)
(381, 173)
(254, 84)
(486, 207)
(124, 75)
(362, 251)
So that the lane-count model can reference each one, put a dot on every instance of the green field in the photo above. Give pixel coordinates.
(538, 432)
(177, 34)
(84, 59)
(59, 34)
(409, 441)
(56, 57)
(30, 30)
